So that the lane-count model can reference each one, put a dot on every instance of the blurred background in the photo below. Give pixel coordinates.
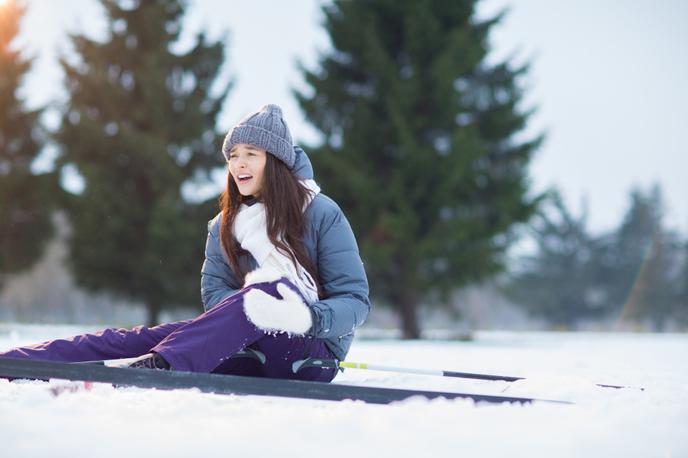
(504, 164)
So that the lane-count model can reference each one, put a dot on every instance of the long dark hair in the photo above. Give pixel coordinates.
(284, 199)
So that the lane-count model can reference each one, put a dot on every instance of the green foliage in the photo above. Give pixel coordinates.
(644, 261)
(558, 282)
(633, 273)
(140, 124)
(681, 302)
(419, 145)
(25, 198)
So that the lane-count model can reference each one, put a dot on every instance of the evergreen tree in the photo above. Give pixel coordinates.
(633, 272)
(680, 313)
(139, 125)
(644, 262)
(559, 282)
(25, 198)
(419, 145)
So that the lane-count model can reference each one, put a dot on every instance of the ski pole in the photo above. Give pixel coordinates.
(332, 363)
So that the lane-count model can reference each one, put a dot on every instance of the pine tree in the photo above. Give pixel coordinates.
(632, 273)
(680, 312)
(25, 198)
(645, 261)
(139, 125)
(558, 282)
(419, 145)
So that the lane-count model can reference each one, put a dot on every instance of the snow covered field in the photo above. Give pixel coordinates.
(108, 422)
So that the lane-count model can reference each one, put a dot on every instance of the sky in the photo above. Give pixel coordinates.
(608, 80)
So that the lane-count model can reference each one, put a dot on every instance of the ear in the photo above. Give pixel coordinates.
(262, 275)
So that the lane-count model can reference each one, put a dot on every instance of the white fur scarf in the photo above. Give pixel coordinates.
(250, 231)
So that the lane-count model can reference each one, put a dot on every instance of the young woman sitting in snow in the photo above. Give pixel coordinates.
(304, 287)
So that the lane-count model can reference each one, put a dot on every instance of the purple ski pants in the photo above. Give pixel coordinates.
(203, 344)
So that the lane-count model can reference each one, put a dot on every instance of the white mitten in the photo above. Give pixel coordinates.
(290, 314)
(263, 274)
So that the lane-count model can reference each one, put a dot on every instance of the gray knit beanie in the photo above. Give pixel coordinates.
(265, 129)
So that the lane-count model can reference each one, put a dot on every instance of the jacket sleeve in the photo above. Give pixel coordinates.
(217, 279)
(346, 304)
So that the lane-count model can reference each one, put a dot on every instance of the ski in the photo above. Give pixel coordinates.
(232, 384)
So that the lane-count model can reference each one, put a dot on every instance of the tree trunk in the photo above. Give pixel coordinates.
(409, 318)
(153, 308)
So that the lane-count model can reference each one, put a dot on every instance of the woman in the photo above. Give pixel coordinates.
(282, 278)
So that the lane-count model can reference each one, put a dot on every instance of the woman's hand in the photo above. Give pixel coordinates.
(289, 314)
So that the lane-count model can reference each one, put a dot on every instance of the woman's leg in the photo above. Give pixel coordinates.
(249, 367)
(206, 343)
(109, 343)
(282, 350)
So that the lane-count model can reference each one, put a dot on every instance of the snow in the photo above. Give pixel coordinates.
(603, 422)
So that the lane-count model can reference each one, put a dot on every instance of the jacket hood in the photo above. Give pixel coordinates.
(302, 166)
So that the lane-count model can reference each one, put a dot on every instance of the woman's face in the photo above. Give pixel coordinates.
(247, 167)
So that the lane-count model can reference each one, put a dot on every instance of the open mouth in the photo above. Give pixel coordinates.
(243, 178)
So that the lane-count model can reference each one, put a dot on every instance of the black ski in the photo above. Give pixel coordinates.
(230, 384)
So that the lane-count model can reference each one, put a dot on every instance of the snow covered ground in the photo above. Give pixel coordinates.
(107, 422)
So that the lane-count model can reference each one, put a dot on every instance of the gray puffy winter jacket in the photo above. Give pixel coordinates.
(331, 245)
